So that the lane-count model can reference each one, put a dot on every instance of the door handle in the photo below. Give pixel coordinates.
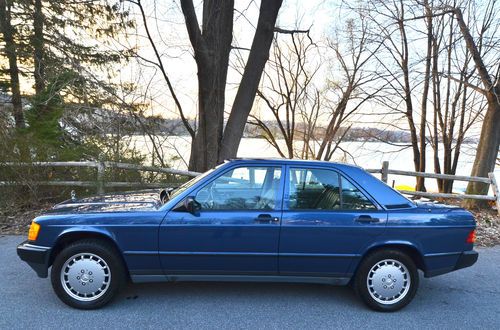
(266, 218)
(366, 219)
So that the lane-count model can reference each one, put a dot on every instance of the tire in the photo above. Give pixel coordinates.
(387, 280)
(87, 274)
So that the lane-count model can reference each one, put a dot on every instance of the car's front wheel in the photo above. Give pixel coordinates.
(87, 274)
(387, 280)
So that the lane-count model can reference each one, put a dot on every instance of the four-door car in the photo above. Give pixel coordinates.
(252, 220)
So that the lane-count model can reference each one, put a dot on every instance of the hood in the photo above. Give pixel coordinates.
(143, 200)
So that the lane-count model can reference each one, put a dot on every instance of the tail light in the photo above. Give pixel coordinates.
(471, 238)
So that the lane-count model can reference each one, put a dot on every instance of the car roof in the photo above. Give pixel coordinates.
(292, 161)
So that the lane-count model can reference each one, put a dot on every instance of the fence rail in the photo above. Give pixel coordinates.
(100, 183)
(490, 180)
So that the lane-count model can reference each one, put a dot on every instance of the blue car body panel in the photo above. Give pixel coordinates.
(160, 242)
(219, 243)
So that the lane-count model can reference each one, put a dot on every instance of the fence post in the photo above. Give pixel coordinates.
(385, 171)
(496, 190)
(101, 168)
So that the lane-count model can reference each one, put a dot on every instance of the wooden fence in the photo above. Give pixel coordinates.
(100, 183)
(490, 180)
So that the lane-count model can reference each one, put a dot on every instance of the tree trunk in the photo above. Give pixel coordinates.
(38, 47)
(407, 92)
(489, 141)
(206, 144)
(425, 94)
(211, 46)
(259, 53)
(487, 151)
(11, 53)
(333, 127)
(413, 132)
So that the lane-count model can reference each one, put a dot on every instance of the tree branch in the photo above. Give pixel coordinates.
(471, 86)
(163, 70)
(193, 28)
(285, 31)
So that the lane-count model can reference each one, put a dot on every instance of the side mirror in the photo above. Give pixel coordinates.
(192, 206)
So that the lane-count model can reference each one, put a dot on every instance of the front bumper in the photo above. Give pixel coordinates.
(36, 256)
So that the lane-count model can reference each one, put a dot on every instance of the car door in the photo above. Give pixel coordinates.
(235, 229)
(327, 221)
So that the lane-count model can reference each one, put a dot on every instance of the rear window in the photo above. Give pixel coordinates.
(382, 193)
(353, 198)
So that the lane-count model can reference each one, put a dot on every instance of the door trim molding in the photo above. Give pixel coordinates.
(240, 278)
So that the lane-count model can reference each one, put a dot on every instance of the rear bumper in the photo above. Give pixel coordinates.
(465, 259)
(36, 256)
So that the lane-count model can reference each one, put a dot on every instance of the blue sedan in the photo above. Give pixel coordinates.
(252, 220)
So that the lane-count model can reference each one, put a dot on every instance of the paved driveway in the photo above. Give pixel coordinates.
(466, 299)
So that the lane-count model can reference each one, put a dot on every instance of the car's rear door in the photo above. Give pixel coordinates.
(236, 231)
(327, 221)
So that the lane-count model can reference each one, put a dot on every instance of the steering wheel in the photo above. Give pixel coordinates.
(206, 197)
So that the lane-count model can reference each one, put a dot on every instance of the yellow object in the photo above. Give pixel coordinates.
(405, 187)
(33, 232)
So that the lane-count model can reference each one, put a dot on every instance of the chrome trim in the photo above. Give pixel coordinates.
(39, 247)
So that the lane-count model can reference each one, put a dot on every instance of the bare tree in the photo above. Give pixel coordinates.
(489, 141)
(456, 105)
(390, 19)
(288, 93)
(211, 44)
(425, 94)
(312, 121)
(211, 39)
(352, 86)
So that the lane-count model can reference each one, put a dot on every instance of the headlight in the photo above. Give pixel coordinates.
(33, 232)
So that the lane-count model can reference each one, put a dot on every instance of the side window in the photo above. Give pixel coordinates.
(314, 189)
(353, 199)
(242, 188)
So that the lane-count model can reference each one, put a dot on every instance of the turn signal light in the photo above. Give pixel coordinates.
(471, 238)
(33, 232)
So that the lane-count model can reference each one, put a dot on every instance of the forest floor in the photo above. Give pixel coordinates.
(16, 222)
(488, 227)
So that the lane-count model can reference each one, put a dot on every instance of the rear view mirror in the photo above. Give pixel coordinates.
(192, 206)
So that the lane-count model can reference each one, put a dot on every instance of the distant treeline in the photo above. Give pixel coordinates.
(99, 119)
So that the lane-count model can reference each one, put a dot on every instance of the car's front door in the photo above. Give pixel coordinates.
(327, 221)
(234, 229)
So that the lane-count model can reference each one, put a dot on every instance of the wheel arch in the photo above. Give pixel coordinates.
(68, 237)
(406, 247)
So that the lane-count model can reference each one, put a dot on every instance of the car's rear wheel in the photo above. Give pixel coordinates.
(87, 274)
(387, 280)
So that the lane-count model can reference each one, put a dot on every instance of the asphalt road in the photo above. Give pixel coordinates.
(466, 299)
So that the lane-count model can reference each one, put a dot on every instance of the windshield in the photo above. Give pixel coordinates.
(190, 183)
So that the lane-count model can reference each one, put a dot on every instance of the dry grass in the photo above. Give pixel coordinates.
(488, 227)
(17, 222)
